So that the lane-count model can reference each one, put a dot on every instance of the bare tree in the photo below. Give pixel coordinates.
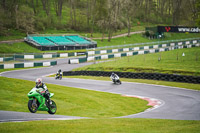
(93, 16)
(73, 13)
(130, 10)
(194, 9)
(46, 6)
(58, 7)
(176, 11)
(88, 13)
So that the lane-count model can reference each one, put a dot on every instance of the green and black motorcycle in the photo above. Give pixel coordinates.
(37, 102)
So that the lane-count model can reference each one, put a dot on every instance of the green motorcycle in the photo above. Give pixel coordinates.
(37, 102)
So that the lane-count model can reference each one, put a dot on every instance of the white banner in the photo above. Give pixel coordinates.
(152, 50)
(140, 52)
(103, 52)
(114, 50)
(74, 61)
(155, 46)
(129, 53)
(161, 49)
(28, 56)
(91, 52)
(136, 48)
(64, 55)
(104, 57)
(187, 42)
(146, 47)
(195, 41)
(117, 55)
(172, 44)
(91, 58)
(164, 45)
(180, 43)
(46, 63)
(47, 56)
(125, 49)
(29, 64)
(7, 66)
(1, 59)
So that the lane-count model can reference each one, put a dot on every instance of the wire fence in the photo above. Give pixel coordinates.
(142, 44)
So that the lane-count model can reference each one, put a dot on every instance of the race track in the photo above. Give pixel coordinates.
(176, 103)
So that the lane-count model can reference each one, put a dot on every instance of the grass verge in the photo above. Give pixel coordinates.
(70, 101)
(171, 62)
(104, 125)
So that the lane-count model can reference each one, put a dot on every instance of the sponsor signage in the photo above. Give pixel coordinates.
(179, 29)
(80, 53)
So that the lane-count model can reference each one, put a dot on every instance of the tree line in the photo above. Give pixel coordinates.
(105, 16)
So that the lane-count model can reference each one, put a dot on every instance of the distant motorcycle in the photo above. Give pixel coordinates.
(58, 76)
(37, 102)
(115, 79)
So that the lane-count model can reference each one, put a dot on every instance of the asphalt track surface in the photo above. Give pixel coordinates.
(176, 103)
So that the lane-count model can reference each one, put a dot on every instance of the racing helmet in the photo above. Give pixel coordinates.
(38, 82)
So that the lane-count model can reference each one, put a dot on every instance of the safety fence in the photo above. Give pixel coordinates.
(144, 44)
(150, 76)
(13, 57)
(136, 51)
(164, 44)
(27, 64)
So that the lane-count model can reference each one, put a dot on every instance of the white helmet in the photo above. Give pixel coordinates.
(38, 82)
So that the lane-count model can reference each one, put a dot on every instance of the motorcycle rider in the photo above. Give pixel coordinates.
(59, 73)
(40, 84)
(114, 76)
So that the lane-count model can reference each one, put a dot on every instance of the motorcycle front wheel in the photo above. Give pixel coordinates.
(32, 107)
(52, 108)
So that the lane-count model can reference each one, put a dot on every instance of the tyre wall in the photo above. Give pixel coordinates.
(151, 76)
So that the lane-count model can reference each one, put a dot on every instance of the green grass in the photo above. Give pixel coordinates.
(156, 82)
(187, 65)
(70, 101)
(12, 35)
(20, 47)
(104, 126)
(138, 38)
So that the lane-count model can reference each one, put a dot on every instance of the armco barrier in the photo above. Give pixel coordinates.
(152, 76)
(132, 53)
(36, 56)
(27, 64)
(165, 44)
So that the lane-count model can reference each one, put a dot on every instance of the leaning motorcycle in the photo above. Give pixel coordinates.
(58, 76)
(37, 102)
(116, 80)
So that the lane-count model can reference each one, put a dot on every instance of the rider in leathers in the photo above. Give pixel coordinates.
(113, 76)
(40, 84)
(59, 73)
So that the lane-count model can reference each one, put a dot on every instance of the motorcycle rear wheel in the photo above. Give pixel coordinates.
(31, 107)
(52, 108)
